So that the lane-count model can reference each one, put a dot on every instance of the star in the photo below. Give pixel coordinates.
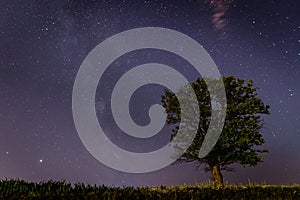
(291, 92)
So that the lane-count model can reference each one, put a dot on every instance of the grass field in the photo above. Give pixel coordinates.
(18, 189)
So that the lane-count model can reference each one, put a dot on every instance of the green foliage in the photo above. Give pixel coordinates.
(241, 133)
(17, 189)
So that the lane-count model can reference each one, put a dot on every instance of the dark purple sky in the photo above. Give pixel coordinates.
(43, 43)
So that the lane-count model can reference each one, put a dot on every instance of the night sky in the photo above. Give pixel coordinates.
(43, 43)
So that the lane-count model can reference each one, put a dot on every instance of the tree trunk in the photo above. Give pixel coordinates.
(217, 176)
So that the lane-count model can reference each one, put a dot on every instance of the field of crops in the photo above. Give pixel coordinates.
(17, 189)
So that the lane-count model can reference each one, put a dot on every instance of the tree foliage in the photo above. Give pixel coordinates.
(242, 128)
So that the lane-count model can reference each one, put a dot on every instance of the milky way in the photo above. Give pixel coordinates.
(42, 45)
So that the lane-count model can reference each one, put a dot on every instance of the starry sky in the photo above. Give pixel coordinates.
(43, 43)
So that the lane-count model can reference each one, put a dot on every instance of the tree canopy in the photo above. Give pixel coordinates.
(241, 133)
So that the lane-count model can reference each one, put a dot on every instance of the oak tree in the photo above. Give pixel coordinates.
(241, 134)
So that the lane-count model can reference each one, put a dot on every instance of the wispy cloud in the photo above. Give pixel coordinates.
(220, 8)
